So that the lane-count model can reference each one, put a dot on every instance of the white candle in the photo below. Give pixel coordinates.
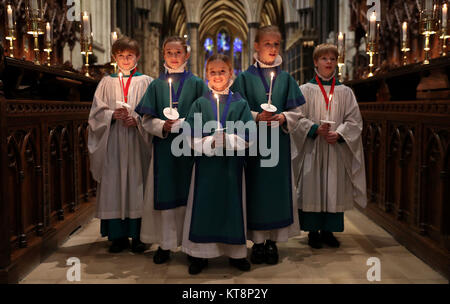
(86, 25)
(170, 93)
(444, 16)
(10, 17)
(340, 42)
(329, 106)
(218, 111)
(113, 37)
(270, 90)
(34, 4)
(404, 31)
(121, 86)
(48, 33)
(372, 27)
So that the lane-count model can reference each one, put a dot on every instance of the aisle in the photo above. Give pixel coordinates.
(299, 263)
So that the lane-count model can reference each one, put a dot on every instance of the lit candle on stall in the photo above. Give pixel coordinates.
(170, 93)
(270, 90)
(86, 25)
(218, 111)
(404, 31)
(444, 16)
(10, 17)
(340, 42)
(113, 37)
(48, 33)
(372, 26)
(34, 4)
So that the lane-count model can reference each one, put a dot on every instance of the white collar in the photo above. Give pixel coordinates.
(180, 69)
(278, 61)
(324, 78)
(226, 91)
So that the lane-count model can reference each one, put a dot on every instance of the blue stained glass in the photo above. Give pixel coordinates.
(223, 42)
(237, 53)
(209, 45)
(237, 45)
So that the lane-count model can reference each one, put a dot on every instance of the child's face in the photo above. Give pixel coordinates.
(175, 54)
(268, 47)
(326, 64)
(218, 74)
(126, 60)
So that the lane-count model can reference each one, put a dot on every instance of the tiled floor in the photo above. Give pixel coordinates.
(299, 263)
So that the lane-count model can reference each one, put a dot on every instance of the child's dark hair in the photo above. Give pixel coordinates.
(125, 43)
(220, 57)
(266, 29)
(181, 40)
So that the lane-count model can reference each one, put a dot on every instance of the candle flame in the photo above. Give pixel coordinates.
(373, 17)
(405, 25)
(120, 75)
(217, 96)
(341, 36)
(170, 80)
(272, 74)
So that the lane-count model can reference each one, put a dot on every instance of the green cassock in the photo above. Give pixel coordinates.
(269, 189)
(217, 212)
(172, 175)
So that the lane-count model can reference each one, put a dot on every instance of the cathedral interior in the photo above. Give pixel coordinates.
(49, 71)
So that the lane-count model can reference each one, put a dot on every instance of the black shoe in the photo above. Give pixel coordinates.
(161, 256)
(241, 264)
(314, 240)
(257, 256)
(328, 238)
(271, 252)
(197, 265)
(137, 246)
(119, 245)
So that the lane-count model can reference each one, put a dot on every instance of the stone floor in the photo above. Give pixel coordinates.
(299, 263)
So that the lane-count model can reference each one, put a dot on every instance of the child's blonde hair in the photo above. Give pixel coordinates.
(323, 49)
(125, 43)
(266, 29)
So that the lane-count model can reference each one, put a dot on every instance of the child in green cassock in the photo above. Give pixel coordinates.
(167, 188)
(215, 223)
(271, 211)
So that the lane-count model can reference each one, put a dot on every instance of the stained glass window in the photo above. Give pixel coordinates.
(209, 50)
(237, 54)
(223, 43)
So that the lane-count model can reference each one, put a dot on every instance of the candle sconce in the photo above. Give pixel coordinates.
(35, 23)
(405, 43)
(372, 41)
(428, 23)
(113, 61)
(48, 42)
(10, 28)
(86, 39)
(341, 57)
(444, 34)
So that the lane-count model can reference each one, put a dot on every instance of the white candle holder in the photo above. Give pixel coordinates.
(269, 107)
(170, 112)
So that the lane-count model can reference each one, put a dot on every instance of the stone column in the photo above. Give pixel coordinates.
(193, 42)
(252, 29)
(153, 62)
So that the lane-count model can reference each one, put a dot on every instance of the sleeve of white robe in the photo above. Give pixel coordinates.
(99, 121)
(350, 130)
